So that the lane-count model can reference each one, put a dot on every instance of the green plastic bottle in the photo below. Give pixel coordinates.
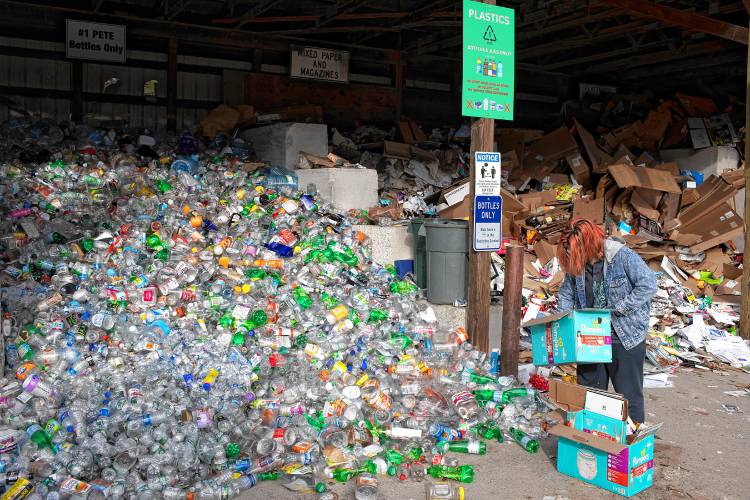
(462, 473)
(259, 318)
(39, 437)
(471, 446)
(376, 316)
(163, 186)
(489, 431)
(403, 287)
(394, 457)
(302, 298)
(477, 379)
(343, 475)
(523, 439)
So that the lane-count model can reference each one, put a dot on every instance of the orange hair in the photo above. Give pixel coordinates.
(582, 242)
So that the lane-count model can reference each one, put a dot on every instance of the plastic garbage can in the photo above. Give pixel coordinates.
(416, 227)
(447, 247)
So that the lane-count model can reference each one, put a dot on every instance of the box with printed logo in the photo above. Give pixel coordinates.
(592, 444)
(583, 336)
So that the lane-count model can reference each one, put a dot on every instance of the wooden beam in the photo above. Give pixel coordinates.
(745, 305)
(172, 85)
(697, 49)
(512, 302)
(746, 3)
(478, 294)
(683, 18)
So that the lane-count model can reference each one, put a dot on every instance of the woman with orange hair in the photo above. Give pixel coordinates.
(603, 273)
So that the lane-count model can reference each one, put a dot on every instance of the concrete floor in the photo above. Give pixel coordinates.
(701, 453)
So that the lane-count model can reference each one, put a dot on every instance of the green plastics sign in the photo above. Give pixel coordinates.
(489, 61)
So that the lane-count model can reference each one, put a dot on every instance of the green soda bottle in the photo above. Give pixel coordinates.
(39, 437)
(510, 394)
(301, 297)
(476, 378)
(238, 338)
(259, 318)
(414, 453)
(268, 476)
(343, 475)
(523, 439)
(163, 186)
(376, 316)
(87, 245)
(471, 446)
(394, 457)
(489, 431)
(255, 274)
(329, 301)
(400, 340)
(153, 241)
(403, 287)
(462, 473)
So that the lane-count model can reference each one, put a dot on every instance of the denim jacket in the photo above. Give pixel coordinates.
(629, 286)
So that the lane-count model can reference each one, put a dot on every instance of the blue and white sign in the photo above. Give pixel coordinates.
(488, 219)
(487, 176)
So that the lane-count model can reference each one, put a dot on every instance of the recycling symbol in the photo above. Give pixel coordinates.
(489, 34)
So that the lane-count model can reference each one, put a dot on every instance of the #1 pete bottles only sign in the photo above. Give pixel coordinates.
(488, 61)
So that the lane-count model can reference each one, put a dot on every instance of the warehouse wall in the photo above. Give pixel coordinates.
(40, 79)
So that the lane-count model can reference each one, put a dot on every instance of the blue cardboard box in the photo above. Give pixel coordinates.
(583, 336)
(592, 445)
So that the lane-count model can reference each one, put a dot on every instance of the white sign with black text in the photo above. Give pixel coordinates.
(319, 64)
(487, 175)
(94, 41)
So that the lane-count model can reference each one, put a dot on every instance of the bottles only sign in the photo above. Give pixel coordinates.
(94, 41)
(488, 61)
(319, 64)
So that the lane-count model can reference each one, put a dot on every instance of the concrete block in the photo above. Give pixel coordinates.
(344, 188)
(389, 243)
(280, 143)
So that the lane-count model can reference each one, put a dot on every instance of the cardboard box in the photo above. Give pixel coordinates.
(589, 209)
(457, 211)
(625, 467)
(542, 155)
(583, 336)
(643, 177)
(453, 195)
(580, 169)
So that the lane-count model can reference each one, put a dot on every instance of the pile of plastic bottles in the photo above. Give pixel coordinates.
(176, 327)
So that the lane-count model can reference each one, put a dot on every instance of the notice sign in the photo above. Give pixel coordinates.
(319, 64)
(94, 41)
(487, 176)
(488, 219)
(488, 61)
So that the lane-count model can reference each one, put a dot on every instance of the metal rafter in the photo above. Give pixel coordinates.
(256, 11)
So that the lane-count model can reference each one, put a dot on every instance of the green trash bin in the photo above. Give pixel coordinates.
(416, 227)
(447, 246)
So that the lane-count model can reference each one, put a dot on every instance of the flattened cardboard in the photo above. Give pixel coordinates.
(549, 149)
(457, 211)
(589, 209)
(639, 177)
(713, 192)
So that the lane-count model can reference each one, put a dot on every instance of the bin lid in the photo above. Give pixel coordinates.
(451, 223)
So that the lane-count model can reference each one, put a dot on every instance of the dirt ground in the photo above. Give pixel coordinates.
(701, 453)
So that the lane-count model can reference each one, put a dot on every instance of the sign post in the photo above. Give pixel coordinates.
(487, 93)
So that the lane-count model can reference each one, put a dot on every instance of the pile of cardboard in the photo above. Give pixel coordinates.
(682, 216)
